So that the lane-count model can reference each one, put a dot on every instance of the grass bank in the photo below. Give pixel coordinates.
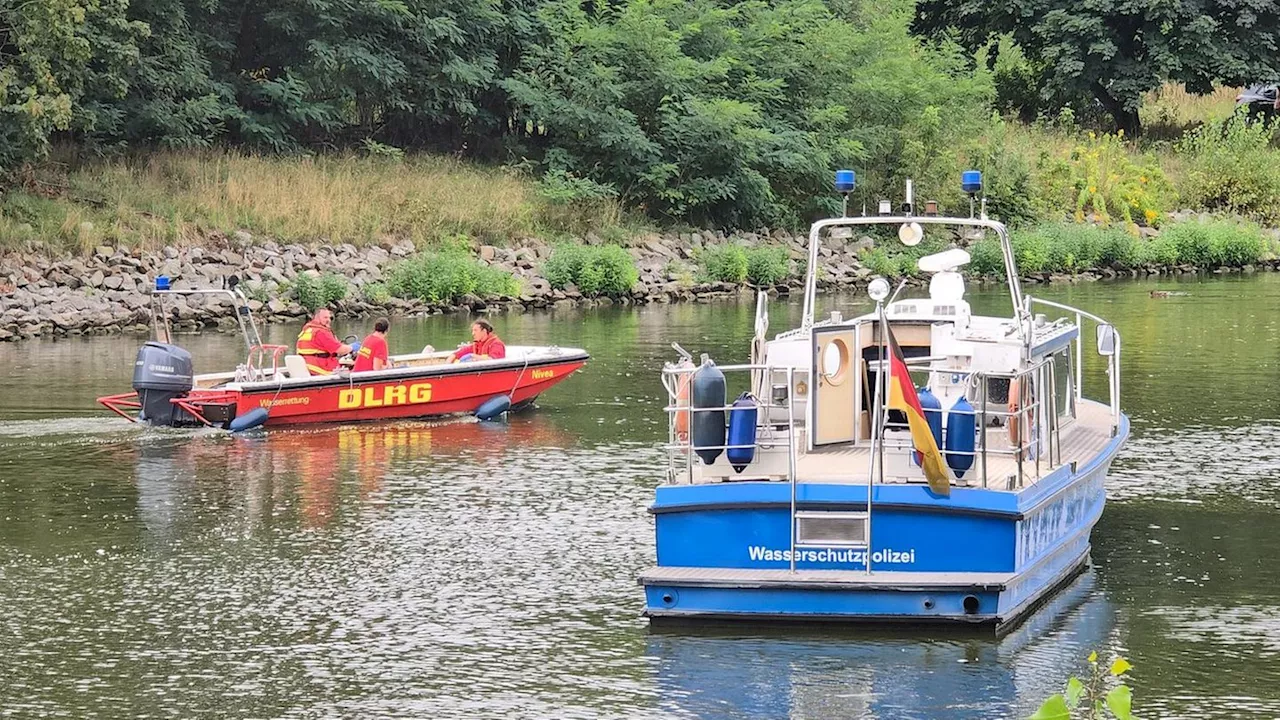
(166, 198)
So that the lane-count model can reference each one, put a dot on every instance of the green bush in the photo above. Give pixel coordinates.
(1159, 251)
(446, 276)
(724, 263)
(595, 270)
(768, 265)
(376, 293)
(879, 263)
(1215, 244)
(986, 258)
(1065, 248)
(1031, 251)
(1102, 176)
(316, 292)
(1231, 168)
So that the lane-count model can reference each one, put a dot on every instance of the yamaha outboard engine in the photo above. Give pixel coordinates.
(162, 372)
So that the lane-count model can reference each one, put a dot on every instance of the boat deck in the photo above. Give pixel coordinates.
(1081, 441)
(744, 578)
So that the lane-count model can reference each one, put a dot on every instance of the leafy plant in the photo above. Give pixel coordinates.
(986, 258)
(1102, 695)
(724, 263)
(593, 269)
(768, 265)
(1159, 251)
(446, 276)
(315, 292)
(376, 293)
(1231, 168)
(375, 149)
(1101, 177)
(1215, 244)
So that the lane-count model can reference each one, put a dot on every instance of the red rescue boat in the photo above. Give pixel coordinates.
(273, 387)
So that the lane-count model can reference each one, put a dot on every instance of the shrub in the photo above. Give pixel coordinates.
(446, 276)
(376, 293)
(768, 265)
(1118, 250)
(1215, 244)
(1100, 176)
(1031, 251)
(724, 263)
(594, 270)
(879, 263)
(1158, 251)
(316, 292)
(986, 258)
(1232, 169)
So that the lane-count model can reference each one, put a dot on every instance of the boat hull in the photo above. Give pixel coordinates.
(431, 392)
(979, 556)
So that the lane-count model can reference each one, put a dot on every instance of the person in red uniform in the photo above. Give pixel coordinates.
(373, 349)
(318, 346)
(484, 346)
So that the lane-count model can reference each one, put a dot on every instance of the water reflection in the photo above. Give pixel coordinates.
(832, 672)
(313, 474)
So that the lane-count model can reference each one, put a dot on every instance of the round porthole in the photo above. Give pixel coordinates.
(835, 361)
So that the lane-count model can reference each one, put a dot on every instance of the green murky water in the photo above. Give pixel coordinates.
(464, 570)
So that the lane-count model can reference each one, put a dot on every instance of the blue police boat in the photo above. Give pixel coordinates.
(811, 501)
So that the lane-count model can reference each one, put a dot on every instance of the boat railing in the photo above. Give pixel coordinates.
(1108, 335)
(1035, 418)
(1034, 448)
(681, 449)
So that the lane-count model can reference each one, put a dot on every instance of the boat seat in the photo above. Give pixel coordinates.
(296, 366)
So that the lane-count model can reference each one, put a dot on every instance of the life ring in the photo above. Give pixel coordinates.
(1014, 422)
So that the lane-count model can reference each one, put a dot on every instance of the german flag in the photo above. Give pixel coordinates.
(902, 396)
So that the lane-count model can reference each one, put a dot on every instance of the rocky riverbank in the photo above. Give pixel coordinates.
(107, 291)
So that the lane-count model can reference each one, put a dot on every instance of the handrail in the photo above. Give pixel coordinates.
(1006, 250)
(1113, 360)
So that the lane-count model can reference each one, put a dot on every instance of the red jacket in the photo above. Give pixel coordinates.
(491, 346)
(318, 346)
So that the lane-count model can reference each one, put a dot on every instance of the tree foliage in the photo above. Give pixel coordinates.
(712, 112)
(1116, 50)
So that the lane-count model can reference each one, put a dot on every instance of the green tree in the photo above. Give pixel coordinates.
(1116, 50)
(733, 114)
(55, 54)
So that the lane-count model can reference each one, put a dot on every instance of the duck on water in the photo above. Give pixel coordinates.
(835, 490)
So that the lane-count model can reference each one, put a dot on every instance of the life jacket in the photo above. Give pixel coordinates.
(319, 361)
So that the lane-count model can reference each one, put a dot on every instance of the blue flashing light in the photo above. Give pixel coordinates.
(162, 282)
(971, 181)
(845, 181)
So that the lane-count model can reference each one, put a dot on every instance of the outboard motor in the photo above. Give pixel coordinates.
(160, 373)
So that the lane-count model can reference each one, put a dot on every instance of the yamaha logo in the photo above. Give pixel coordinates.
(161, 368)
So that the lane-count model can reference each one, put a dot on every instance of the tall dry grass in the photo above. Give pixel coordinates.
(1170, 111)
(180, 197)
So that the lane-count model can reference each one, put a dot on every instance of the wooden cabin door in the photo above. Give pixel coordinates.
(835, 402)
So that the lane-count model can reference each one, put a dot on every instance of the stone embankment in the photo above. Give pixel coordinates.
(107, 291)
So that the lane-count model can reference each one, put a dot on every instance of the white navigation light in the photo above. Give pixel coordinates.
(911, 234)
(878, 289)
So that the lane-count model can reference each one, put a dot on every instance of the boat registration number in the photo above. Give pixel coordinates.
(384, 395)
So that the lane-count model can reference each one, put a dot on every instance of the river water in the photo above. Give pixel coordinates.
(460, 570)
